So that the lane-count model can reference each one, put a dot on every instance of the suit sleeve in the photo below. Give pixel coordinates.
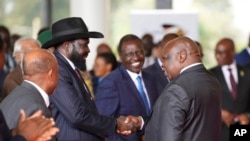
(18, 138)
(76, 111)
(172, 111)
(107, 99)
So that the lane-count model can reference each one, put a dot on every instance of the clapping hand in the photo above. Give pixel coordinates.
(35, 127)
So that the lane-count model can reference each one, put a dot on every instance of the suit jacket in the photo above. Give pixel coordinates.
(160, 79)
(2, 77)
(188, 109)
(242, 103)
(12, 80)
(5, 134)
(25, 97)
(117, 95)
(243, 58)
(73, 109)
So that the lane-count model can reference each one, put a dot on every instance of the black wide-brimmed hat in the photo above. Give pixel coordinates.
(69, 29)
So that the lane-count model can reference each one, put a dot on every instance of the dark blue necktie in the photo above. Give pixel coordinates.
(142, 94)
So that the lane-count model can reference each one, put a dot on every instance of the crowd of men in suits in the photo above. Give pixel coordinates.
(175, 98)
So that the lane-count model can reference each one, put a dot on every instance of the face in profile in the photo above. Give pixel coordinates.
(132, 55)
(170, 63)
(79, 50)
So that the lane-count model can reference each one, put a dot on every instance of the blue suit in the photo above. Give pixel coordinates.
(74, 112)
(117, 95)
(243, 58)
(161, 80)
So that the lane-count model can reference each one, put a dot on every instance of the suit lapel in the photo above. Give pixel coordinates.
(241, 75)
(148, 85)
(129, 82)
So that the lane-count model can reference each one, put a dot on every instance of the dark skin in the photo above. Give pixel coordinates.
(177, 54)
(132, 55)
(36, 127)
(103, 48)
(40, 67)
(224, 54)
(78, 50)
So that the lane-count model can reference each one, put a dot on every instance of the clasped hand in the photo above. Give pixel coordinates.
(128, 125)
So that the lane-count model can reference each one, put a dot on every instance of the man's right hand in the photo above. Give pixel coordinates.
(128, 125)
(227, 117)
(35, 127)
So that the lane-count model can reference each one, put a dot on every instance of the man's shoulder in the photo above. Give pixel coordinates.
(152, 67)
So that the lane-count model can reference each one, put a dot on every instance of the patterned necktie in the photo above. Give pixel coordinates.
(233, 84)
(142, 94)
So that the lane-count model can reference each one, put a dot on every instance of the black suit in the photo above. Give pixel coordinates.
(242, 103)
(5, 133)
(188, 109)
(74, 111)
(160, 79)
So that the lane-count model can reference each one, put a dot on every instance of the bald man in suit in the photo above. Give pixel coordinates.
(40, 73)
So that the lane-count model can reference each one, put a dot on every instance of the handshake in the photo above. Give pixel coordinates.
(128, 125)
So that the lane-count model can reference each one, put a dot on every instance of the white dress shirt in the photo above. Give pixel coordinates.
(133, 76)
(41, 91)
(225, 71)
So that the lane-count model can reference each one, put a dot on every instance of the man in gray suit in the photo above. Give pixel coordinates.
(189, 107)
(40, 73)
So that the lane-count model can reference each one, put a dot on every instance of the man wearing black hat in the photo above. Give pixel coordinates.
(71, 103)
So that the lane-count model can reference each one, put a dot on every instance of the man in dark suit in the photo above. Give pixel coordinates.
(189, 107)
(72, 106)
(118, 94)
(160, 79)
(40, 73)
(15, 77)
(236, 97)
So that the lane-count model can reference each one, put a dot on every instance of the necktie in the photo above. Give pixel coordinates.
(233, 84)
(80, 77)
(142, 94)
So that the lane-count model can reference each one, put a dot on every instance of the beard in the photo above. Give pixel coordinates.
(78, 60)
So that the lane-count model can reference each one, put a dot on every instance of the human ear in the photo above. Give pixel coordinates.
(182, 56)
(50, 74)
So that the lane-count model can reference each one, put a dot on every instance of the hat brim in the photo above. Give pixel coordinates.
(61, 39)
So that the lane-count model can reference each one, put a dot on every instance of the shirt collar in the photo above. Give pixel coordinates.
(41, 91)
(133, 75)
(70, 62)
(232, 66)
(187, 67)
(159, 61)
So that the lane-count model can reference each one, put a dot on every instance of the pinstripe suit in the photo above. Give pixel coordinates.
(25, 97)
(73, 110)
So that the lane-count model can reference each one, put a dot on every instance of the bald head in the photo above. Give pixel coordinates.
(167, 38)
(103, 48)
(24, 45)
(40, 67)
(178, 54)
